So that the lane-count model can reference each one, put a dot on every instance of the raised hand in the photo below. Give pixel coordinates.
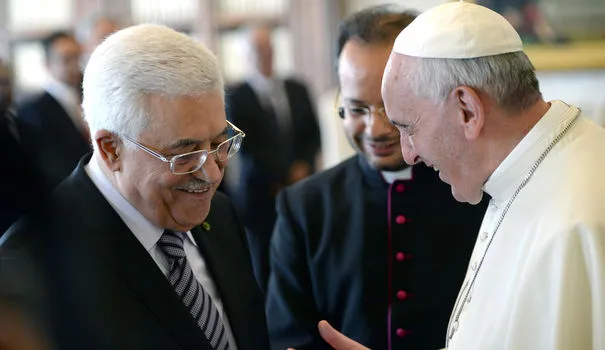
(337, 340)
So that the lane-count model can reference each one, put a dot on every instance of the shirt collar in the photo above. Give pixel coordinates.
(262, 84)
(392, 176)
(146, 232)
(65, 94)
(511, 172)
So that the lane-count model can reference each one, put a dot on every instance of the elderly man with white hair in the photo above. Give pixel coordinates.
(135, 249)
(466, 101)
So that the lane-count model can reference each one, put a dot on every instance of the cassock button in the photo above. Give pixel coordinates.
(483, 236)
(400, 219)
(474, 266)
(401, 332)
(400, 256)
(402, 294)
(400, 188)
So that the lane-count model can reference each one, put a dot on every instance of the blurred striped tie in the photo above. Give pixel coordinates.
(195, 298)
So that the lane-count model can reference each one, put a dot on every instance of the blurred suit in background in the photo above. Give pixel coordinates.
(51, 126)
(21, 188)
(282, 142)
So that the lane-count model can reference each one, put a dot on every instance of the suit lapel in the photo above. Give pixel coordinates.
(223, 251)
(141, 274)
(128, 258)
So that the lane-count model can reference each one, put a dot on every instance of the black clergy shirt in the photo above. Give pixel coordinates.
(381, 262)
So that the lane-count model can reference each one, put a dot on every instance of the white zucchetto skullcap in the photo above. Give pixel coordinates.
(458, 30)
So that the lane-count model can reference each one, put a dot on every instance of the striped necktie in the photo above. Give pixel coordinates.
(195, 298)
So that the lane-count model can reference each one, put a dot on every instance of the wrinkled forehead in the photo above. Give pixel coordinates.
(392, 73)
(181, 115)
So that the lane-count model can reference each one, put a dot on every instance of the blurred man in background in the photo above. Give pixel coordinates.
(377, 247)
(281, 146)
(51, 125)
(21, 189)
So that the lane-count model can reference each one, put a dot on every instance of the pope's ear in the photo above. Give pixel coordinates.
(471, 112)
(109, 147)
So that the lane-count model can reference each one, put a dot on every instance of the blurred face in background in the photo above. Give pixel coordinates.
(360, 70)
(261, 50)
(63, 61)
(102, 29)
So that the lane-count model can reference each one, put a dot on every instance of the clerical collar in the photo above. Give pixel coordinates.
(510, 173)
(392, 176)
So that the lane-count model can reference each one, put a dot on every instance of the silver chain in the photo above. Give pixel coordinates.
(458, 307)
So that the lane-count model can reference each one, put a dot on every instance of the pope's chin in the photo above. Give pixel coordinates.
(471, 198)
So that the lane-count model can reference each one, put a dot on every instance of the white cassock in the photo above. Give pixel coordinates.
(541, 285)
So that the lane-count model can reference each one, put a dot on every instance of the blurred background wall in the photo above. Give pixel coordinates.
(304, 40)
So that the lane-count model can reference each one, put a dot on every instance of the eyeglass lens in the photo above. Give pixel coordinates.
(188, 163)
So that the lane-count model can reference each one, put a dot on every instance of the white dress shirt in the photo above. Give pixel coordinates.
(272, 93)
(149, 235)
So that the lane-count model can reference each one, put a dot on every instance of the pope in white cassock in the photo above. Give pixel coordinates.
(466, 101)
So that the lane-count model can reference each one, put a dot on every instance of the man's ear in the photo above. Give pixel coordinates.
(471, 111)
(109, 146)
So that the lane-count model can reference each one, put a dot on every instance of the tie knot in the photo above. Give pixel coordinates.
(171, 244)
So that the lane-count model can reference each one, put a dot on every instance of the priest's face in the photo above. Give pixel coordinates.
(367, 127)
(430, 131)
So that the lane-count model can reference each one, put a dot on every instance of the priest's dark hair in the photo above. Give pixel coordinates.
(374, 25)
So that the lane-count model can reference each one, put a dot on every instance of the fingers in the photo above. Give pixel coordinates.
(336, 339)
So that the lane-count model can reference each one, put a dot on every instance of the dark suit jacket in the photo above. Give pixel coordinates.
(50, 138)
(266, 156)
(86, 278)
(21, 188)
(383, 263)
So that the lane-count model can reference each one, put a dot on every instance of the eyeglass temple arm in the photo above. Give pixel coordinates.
(153, 153)
(236, 128)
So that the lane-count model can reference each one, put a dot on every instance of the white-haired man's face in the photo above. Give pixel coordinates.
(432, 133)
(179, 125)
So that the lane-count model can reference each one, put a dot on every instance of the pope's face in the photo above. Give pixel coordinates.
(430, 132)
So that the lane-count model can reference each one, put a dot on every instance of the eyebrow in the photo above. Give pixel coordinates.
(182, 143)
(356, 101)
